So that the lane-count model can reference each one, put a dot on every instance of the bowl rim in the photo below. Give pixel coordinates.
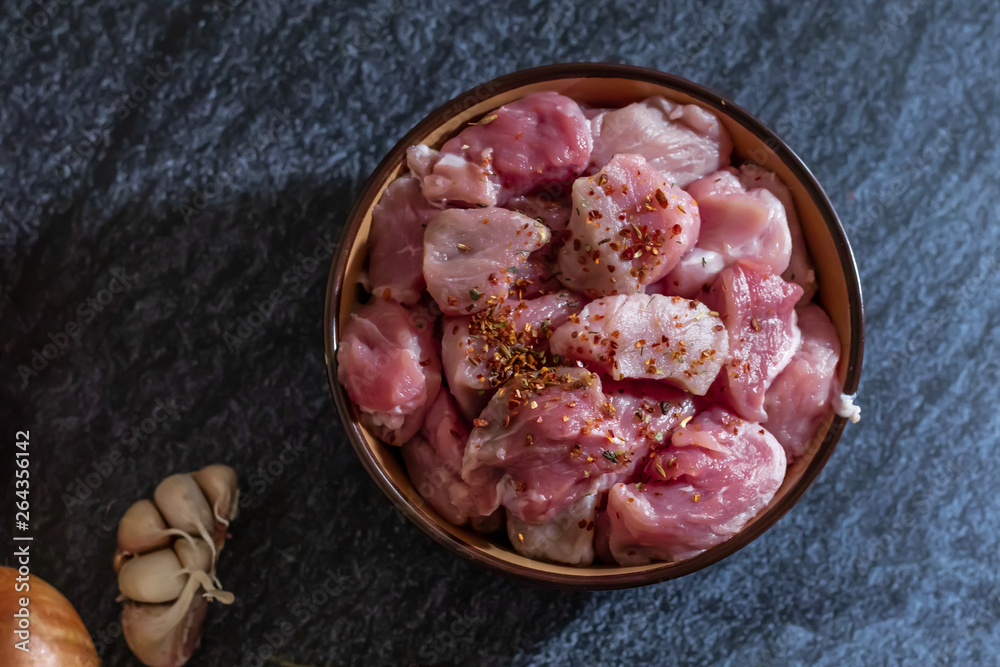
(719, 104)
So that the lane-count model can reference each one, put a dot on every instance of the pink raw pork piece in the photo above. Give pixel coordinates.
(474, 363)
(647, 411)
(628, 228)
(682, 142)
(538, 276)
(539, 139)
(389, 363)
(804, 393)
(800, 269)
(472, 256)
(396, 242)
(568, 537)
(547, 439)
(434, 463)
(551, 212)
(735, 224)
(653, 337)
(718, 473)
(758, 309)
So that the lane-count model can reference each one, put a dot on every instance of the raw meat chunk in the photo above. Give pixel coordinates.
(456, 181)
(628, 228)
(800, 269)
(648, 412)
(758, 309)
(566, 538)
(538, 276)
(735, 224)
(547, 439)
(551, 211)
(471, 256)
(434, 463)
(683, 142)
(396, 242)
(474, 363)
(649, 337)
(539, 139)
(388, 361)
(718, 473)
(806, 390)
(420, 159)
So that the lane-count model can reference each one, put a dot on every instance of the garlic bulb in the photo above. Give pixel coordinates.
(166, 557)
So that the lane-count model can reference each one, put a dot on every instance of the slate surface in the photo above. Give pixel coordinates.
(217, 191)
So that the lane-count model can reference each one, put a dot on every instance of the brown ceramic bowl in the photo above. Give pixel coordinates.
(608, 86)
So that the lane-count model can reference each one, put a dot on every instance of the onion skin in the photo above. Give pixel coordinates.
(58, 636)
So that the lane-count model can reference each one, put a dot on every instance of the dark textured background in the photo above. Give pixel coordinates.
(226, 180)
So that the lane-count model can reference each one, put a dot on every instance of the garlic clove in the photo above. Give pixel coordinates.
(121, 557)
(219, 483)
(196, 557)
(143, 529)
(154, 577)
(184, 506)
(164, 635)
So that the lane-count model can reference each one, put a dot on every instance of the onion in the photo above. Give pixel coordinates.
(58, 638)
